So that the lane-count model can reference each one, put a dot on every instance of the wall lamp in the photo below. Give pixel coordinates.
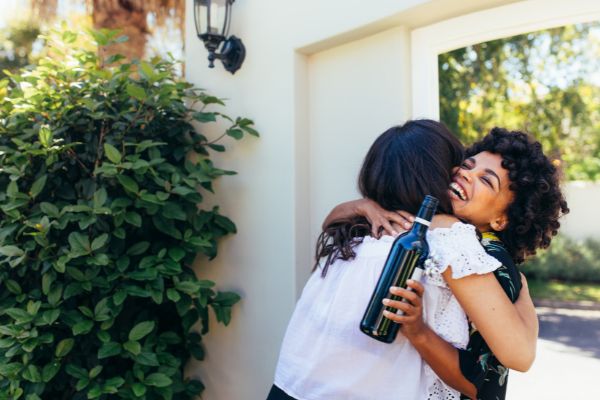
(212, 18)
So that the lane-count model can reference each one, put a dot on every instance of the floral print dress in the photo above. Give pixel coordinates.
(477, 362)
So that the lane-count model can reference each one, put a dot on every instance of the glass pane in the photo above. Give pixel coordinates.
(217, 16)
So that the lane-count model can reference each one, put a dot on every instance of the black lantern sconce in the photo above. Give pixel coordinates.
(212, 19)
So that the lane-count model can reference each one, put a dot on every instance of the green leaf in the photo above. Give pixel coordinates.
(109, 349)
(32, 374)
(176, 253)
(76, 371)
(50, 316)
(64, 347)
(38, 186)
(173, 295)
(100, 198)
(173, 210)
(13, 286)
(128, 183)
(19, 315)
(10, 369)
(226, 298)
(138, 248)
(112, 153)
(33, 307)
(138, 389)
(94, 372)
(188, 287)
(94, 392)
(99, 241)
(235, 133)
(205, 116)
(217, 147)
(136, 91)
(13, 189)
(50, 209)
(11, 251)
(119, 297)
(82, 327)
(112, 384)
(50, 370)
(148, 359)
(147, 70)
(79, 242)
(158, 379)
(133, 218)
(133, 347)
(141, 330)
(45, 136)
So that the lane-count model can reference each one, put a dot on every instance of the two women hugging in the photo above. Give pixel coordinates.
(471, 318)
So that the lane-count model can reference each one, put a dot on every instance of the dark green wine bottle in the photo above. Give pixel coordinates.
(405, 261)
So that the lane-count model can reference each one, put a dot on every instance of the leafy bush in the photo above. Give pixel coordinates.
(566, 260)
(101, 175)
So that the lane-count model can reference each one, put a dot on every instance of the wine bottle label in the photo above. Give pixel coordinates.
(422, 221)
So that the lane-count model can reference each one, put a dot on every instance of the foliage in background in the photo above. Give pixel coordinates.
(154, 27)
(561, 291)
(545, 82)
(102, 177)
(16, 43)
(566, 260)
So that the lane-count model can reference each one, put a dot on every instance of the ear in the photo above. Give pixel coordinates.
(500, 223)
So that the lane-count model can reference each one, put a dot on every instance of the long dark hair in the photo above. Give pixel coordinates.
(404, 164)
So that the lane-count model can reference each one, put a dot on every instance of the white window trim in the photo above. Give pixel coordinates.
(505, 21)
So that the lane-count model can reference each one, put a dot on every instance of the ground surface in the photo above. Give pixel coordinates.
(567, 365)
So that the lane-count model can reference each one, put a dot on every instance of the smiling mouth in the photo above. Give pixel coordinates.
(458, 191)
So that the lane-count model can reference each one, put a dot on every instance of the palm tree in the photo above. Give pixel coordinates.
(131, 16)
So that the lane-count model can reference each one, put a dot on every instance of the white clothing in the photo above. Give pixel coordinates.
(325, 356)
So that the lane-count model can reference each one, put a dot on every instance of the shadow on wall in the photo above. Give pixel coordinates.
(579, 329)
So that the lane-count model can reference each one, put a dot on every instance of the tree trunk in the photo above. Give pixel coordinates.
(130, 17)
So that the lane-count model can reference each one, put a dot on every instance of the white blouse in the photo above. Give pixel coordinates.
(324, 355)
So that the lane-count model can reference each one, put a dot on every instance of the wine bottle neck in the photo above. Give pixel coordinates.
(424, 216)
(420, 227)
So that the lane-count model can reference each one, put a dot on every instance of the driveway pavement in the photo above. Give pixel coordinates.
(567, 365)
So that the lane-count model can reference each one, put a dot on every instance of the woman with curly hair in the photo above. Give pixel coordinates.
(509, 233)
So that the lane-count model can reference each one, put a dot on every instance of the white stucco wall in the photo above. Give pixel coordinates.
(583, 219)
(321, 80)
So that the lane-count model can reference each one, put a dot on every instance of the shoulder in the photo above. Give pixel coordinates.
(443, 221)
(507, 274)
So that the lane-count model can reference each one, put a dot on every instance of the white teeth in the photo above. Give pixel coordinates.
(455, 187)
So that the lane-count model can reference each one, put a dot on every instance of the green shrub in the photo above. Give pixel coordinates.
(101, 177)
(566, 260)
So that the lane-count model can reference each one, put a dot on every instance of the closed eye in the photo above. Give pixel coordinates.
(487, 181)
(469, 163)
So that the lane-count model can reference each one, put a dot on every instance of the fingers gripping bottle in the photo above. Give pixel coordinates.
(405, 261)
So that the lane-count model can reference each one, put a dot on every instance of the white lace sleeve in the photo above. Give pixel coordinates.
(459, 248)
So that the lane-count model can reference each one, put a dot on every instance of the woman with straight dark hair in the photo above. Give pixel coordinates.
(325, 356)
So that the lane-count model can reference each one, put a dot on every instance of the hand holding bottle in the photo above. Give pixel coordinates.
(411, 320)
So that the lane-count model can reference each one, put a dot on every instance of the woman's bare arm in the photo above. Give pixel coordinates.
(509, 330)
(440, 355)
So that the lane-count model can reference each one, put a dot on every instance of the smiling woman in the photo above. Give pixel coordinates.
(480, 192)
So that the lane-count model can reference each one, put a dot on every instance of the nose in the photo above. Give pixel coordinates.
(465, 174)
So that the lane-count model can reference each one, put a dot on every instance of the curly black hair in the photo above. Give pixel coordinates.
(535, 181)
